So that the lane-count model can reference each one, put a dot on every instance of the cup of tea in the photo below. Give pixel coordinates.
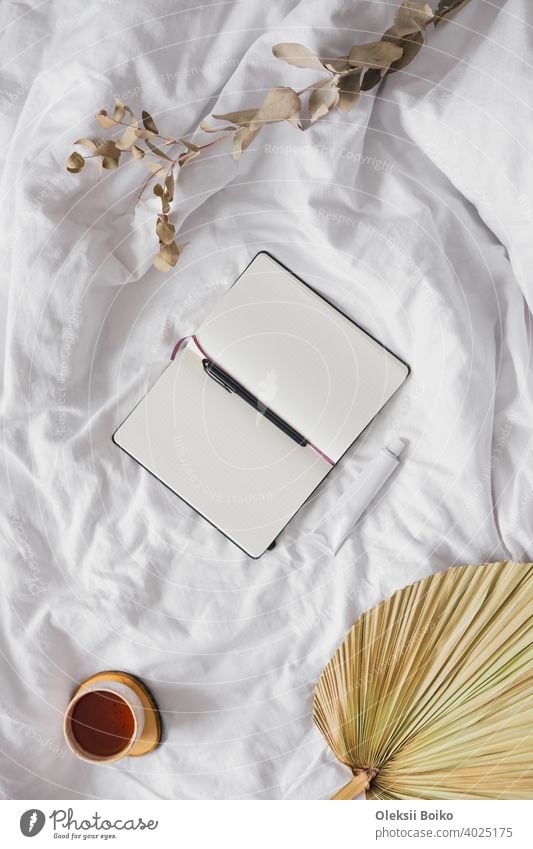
(111, 715)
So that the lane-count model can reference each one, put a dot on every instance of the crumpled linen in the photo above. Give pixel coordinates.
(412, 214)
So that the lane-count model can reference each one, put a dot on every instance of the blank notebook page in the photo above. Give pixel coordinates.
(302, 358)
(225, 459)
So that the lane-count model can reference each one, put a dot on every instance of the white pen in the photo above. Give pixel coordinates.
(357, 498)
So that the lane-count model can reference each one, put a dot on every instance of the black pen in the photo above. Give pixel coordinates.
(231, 385)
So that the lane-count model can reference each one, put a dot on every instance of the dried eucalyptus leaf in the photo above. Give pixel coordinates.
(105, 120)
(323, 100)
(132, 116)
(298, 55)
(411, 45)
(170, 253)
(137, 152)
(110, 163)
(165, 231)
(189, 145)
(168, 256)
(149, 123)
(208, 129)
(242, 118)
(338, 66)
(87, 143)
(169, 186)
(75, 162)
(392, 34)
(371, 78)
(186, 157)
(118, 113)
(349, 90)
(161, 264)
(280, 104)
(127, 139)
(447, 8)
(108, 148)
(295, 121)
(144, 134)
(162, 194)
(375, 54)
(237, 142)
(412, 16)
(243, 138)
(158, 151)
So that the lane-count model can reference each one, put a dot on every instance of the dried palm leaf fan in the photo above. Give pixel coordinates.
(431, 694)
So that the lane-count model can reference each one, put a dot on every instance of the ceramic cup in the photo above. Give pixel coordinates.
(98, 723)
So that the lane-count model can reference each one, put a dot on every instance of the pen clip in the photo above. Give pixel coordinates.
(215, 375)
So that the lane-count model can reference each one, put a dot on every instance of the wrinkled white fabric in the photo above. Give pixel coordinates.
(412, 214)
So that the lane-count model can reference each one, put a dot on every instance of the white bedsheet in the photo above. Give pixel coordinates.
(413, 214)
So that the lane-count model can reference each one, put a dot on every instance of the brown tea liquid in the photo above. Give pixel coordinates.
(102, 723)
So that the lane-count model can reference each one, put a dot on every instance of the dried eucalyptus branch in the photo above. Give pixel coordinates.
(344, 77)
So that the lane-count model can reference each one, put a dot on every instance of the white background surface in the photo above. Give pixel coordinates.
(412, 214)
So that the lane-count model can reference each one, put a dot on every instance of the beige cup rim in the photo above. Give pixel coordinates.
(70, 737)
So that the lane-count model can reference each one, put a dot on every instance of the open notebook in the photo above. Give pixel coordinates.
(316, 380)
